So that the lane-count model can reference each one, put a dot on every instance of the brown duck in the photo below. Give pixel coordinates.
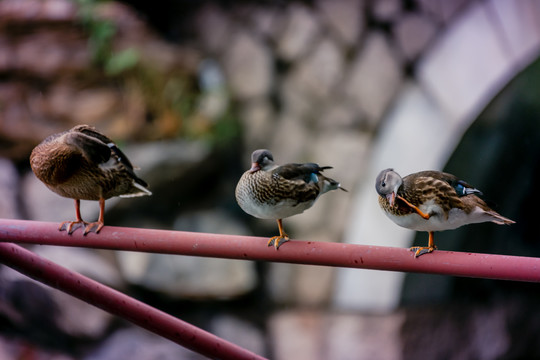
(269, 191)
(83, 164)
(432, 201)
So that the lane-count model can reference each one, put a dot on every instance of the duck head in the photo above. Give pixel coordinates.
(387, 184)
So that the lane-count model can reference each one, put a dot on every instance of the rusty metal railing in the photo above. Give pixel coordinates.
(516, 268)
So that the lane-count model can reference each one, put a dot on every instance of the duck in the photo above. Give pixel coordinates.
(270, 191)
(432, 201)
(83, 164)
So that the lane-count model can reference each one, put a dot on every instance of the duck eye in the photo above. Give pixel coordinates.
(383, 184)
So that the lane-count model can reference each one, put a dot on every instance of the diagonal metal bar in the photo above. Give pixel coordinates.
(517, 268)
(120, 304)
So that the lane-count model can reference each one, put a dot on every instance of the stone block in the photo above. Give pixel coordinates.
(345, 19)
(257, 118)
(444, 11)
(299, 33)
(214, 28)
(248, 66)
(317, 75)
(239, 332)
(315, 335)
(413, 33)
(374, 78)
(189, 276)
(136, 343)
(387, 10)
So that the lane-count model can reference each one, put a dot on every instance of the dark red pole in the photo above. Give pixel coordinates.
(517, 268)
(120, 304)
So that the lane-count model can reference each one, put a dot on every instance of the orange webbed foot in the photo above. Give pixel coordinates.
(277, 241)
(421, 250)
(71, 226)
(94, 227)
(415, 208)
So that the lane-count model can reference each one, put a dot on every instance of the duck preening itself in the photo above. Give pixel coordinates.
(432, 201)
(83, 164)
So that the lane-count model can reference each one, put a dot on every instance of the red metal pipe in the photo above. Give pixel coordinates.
(517, 268)
(120, 304)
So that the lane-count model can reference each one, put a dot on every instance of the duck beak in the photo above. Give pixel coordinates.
(391, 198)
(254, 167)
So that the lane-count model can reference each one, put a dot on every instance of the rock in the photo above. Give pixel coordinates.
(9, 190)
(314, 284)
(345, 18)
(17, 349)
(413, 33)
(257, 118)
(289, 126)
(188, 277)
(295, 101)
(79, 319)
(314, 335)
(93, 105)
(484, 330)
(192, 277)
(443, 11)
(297, 335)
(300, 31)
(281, 281)
(213, 28)
(53, 319)
(20, 12)
(163, 162)
(136, 343)
(300, 285)
(327, 218)
(267, 21)
(239, 332)
(373, 336)
(87, 262)
(50, 54)
(374, 79)
(318, 74)
(54, 82)
(249, 66)
(172, 169)
(386, 10)
(339, 115)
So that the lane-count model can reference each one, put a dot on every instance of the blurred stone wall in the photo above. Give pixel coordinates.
(357, 85)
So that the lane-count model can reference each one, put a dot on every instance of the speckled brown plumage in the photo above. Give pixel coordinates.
(269, 191)
(432, 201)
(83, 164)
(268, 187)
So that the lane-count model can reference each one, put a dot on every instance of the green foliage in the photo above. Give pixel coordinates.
(121, 61)
(170, 96)
(101, 34)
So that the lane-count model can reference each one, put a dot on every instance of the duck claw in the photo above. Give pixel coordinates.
(421, 250)
(71, 226)
(277, 241)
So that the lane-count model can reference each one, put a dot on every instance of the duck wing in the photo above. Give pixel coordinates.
(99, 149)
